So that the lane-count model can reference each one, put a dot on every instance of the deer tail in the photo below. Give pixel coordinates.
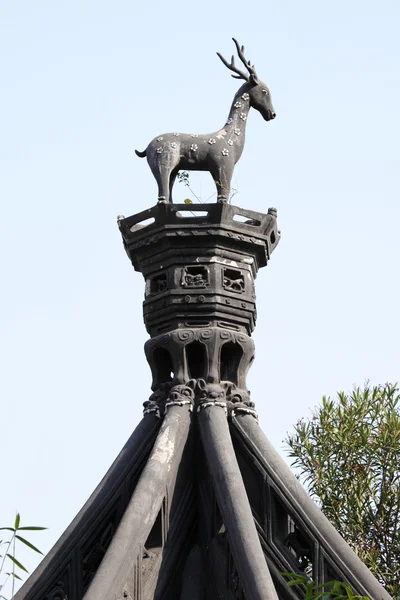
(141, 154)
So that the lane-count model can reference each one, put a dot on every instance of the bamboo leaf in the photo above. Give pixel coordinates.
(7, 529)
(24, 541)
(14, 560)
(14, 575)
(17, 521)
(31, 528)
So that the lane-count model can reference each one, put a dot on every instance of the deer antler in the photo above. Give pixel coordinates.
(232, 67)
(247, 63)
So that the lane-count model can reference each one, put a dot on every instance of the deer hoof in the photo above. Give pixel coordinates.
(162, 200)
(222, 199)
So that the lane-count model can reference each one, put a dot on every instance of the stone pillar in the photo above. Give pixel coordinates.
(200, 303)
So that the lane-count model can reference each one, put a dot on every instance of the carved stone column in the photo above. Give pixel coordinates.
(200, 304)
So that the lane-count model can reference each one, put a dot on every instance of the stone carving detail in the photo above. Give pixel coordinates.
(238, 401)
(209, 394)
(233, 280)
(296, 542)
(94, 554)
(195, 277)
(236, 236)
(165, 161)
(158, 284)
(226, 394)
(190, 335)
(58, 592)
(156, 403)
(186, 335)
(211, 353)
(181, 395)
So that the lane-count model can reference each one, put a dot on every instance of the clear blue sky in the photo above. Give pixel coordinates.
(85, 82)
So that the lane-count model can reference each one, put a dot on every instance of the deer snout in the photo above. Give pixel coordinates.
(273, 115)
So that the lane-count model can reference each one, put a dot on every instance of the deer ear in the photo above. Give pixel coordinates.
(254, 79)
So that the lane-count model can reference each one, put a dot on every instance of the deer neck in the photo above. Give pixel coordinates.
(235, 125)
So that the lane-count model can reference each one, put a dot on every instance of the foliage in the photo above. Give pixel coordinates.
(10, 566)
(348, 455)
(331, 590)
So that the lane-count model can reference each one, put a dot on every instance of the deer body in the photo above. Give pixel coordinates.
(216, 152)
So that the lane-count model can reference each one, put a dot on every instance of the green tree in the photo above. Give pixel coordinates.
(348, 457)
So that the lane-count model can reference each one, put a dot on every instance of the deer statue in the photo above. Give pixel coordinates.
(214, 152)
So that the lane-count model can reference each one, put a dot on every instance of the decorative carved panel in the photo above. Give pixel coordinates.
(195, 277)
(96, 551)
(157, 284)
(233, 280)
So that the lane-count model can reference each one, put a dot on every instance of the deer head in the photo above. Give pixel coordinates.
(260, 97)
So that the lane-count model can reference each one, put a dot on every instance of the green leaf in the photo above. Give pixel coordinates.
(31, 528)
(17, 521)
(14, 575)
(337, 587)
(7, 529)
(309, 590)
(24, 541)
(15, 561)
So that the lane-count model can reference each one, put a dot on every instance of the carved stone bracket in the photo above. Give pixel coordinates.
(199, 393)
(156, 403)
(212, 353)
(212, 394)
(181, 395)
(168, 395)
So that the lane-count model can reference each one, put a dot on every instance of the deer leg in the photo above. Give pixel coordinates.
(222, 177)
(162, 176)
(172, 178)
